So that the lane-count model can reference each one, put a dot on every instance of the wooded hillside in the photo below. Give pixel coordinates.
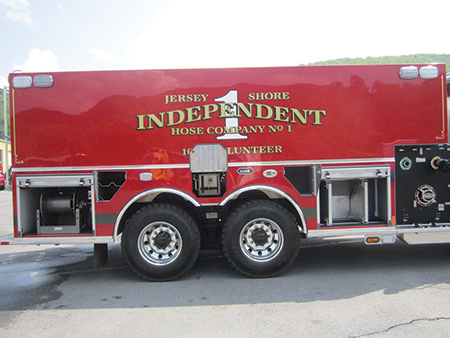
(414, 58)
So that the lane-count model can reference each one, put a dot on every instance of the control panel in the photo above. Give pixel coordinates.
(422, 184)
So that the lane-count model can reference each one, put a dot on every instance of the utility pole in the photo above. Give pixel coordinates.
(5, 126)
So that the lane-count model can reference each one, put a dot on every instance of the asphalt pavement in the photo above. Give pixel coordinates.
(338, 288)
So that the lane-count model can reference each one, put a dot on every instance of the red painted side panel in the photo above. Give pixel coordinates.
(154, 117)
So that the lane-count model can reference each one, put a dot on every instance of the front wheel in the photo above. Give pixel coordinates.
(161, 242)
(261, 239)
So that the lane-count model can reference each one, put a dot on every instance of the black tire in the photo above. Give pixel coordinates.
(161, 242)
(261, 239)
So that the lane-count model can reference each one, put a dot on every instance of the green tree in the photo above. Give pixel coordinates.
(401, 59)
(2, 129)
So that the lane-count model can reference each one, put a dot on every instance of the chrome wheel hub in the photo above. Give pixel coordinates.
(261, 239)
(159, 243)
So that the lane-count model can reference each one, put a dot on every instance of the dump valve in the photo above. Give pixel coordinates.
(442, 164)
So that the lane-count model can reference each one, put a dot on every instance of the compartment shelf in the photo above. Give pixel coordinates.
(354, 196)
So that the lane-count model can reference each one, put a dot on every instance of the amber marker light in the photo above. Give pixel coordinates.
(373, 240)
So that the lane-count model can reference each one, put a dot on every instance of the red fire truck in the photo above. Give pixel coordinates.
(247, 160)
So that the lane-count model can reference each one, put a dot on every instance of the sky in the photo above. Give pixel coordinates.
(79, 35)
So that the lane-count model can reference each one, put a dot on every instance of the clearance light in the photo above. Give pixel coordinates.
(409, 72)
(387, 239)
(22, 81)
(429, 72)
(43, 81)
(373, 240)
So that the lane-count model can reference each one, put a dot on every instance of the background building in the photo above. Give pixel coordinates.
(6, 163)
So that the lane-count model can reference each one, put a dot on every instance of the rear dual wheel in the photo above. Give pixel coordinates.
(261, 239)
(161, 242)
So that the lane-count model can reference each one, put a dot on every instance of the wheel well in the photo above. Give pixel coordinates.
(167, 198)
(229, 204)
(261, 194)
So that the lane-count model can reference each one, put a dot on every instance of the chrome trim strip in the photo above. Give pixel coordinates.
(312, 162)
(351, 232)
(186, 165)
(93, 168)
(265, 188)
(372, 231)
(156, 192)
(61, 240)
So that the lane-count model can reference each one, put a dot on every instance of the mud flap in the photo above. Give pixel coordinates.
(100, 255)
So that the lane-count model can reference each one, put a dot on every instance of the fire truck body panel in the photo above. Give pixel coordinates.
(96, 152)
(123, 108)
